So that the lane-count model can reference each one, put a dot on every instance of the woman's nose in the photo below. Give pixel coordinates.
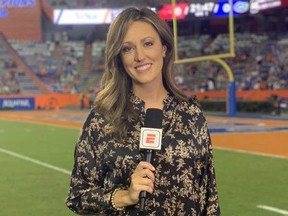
(139, 55)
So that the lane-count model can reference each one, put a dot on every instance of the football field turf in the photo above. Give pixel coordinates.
(36, 161)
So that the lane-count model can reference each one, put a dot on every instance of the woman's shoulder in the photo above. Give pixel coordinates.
(92, 113)
(93, 117)
(189, 106)
(191, 109)
(191, 102)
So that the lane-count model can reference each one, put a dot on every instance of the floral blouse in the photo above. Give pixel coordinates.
(184, 178)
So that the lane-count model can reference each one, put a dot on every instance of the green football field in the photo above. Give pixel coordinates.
(36, 161)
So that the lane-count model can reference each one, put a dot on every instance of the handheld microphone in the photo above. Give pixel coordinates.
(150, 139)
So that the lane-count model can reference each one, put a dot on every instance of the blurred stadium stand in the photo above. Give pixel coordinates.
(38, 56)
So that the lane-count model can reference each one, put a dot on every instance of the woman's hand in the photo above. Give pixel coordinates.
(141, 180)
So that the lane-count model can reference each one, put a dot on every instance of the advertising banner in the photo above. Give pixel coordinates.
(82, 16)
(14, 103)
(257, 6)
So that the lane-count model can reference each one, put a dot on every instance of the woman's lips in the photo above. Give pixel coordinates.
(143, 67)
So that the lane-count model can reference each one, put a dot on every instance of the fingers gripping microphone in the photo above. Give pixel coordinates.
(150, 139)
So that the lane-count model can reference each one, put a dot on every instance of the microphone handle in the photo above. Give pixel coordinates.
(143, 194)
(149, 155)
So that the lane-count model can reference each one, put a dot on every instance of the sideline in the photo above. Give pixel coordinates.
(43, 164)
(250, 152)
(272, 209)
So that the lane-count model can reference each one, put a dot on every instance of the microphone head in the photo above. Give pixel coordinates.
(153, 118)
(150, 139)
(151, 133)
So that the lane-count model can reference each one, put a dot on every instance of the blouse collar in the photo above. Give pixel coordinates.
(139, 104)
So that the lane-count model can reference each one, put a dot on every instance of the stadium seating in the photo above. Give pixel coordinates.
(260, 63)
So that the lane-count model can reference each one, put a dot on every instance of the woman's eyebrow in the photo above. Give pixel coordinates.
(143, 39)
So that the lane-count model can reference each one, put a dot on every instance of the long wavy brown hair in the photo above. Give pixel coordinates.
(112, 100)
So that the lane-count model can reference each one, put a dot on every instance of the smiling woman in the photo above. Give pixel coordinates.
(109, 169)
(142, 56)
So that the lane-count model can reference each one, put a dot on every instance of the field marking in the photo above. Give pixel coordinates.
(43, 164)
(250, 152)
(273, 209)
(37, 122)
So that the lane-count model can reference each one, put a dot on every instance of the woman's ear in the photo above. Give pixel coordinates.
(164, 50)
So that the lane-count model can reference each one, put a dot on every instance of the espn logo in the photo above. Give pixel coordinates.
(151, 138)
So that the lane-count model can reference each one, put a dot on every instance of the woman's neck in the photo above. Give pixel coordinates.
(153, 97)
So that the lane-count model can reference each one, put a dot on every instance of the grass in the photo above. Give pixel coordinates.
(27, 189)
(245, 181)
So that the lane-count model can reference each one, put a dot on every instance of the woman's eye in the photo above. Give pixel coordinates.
(149, 43)
(126, 49)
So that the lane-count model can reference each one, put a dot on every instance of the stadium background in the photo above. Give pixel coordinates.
(50, 68)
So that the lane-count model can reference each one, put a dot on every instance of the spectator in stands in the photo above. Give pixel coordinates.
(210, 84)
(91, 95)
(276, 100)
(9, 83)
(109, 171)
(82, 100)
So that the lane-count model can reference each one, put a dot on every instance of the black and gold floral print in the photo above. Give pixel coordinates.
(185, 183)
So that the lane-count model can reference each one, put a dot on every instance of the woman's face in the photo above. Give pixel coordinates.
(142, 54)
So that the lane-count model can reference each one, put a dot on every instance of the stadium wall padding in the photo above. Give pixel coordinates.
(58, 101)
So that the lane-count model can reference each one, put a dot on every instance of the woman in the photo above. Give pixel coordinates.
(109, 171)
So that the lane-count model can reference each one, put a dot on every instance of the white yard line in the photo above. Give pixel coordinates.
(26, 158)
(250, 152)
(273, 209)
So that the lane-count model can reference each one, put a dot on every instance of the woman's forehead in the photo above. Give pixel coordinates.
(140, 29)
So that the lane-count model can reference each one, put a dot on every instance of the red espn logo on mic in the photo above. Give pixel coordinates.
(151, 138)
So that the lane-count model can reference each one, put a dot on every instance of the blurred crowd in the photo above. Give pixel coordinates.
(260, 63)
(9, 78)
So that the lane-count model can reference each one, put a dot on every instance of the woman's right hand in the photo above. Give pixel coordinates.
(142, 179)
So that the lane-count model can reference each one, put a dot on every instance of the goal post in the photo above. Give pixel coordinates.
(218, 58)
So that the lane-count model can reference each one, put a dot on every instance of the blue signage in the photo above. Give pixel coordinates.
(17, 103)
(223, 8)
(3, 13)
(6, 4)
(16, 3)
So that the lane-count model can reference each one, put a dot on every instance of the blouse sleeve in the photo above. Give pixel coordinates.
(86, 194)
(208, 188)
(209, 192)
(212, 201)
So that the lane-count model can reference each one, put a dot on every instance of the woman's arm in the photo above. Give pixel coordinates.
(86, 194)
(209, 193)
